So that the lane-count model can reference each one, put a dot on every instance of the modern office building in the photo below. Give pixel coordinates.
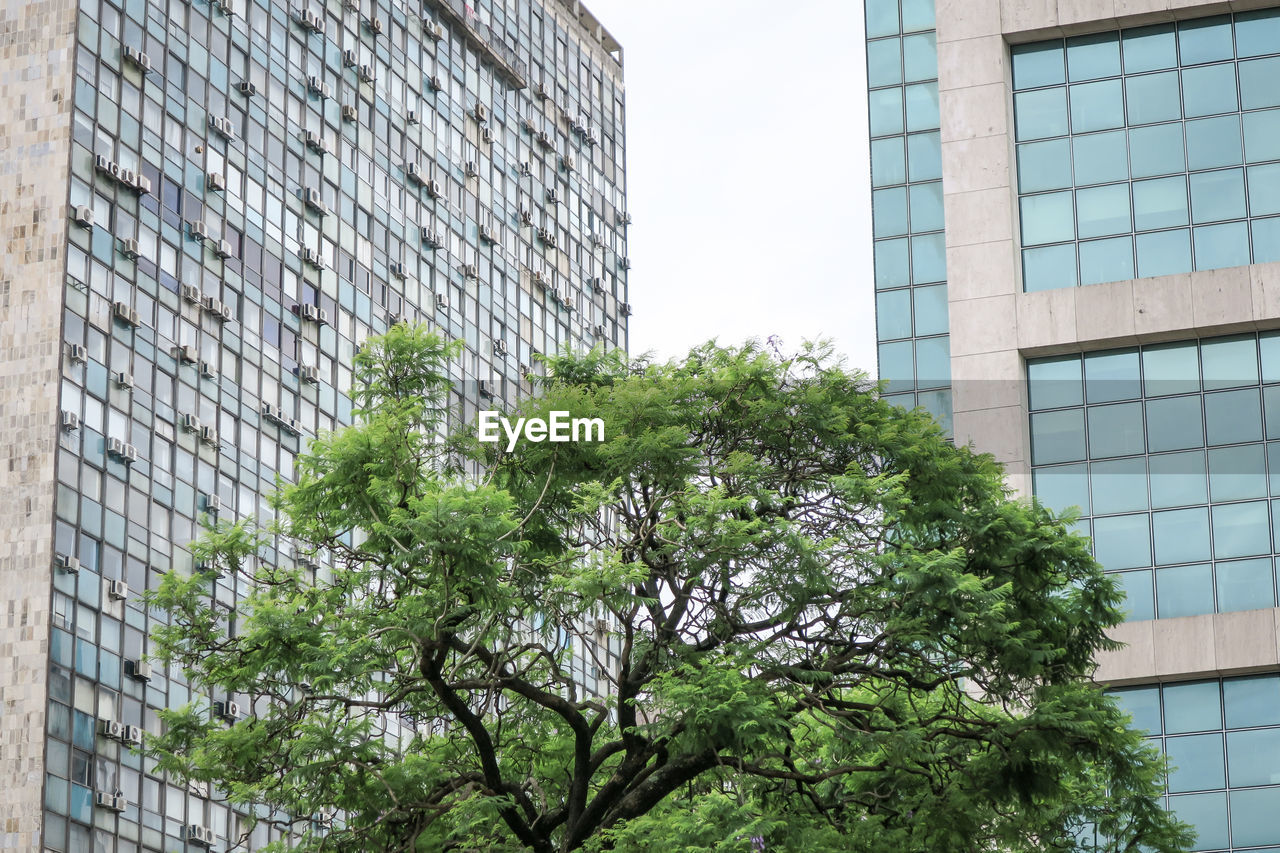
(206, 207)
(1110, 185)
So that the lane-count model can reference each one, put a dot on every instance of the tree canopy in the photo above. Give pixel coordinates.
(769, 611)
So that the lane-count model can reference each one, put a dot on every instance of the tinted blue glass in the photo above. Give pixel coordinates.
(1195, 762)
(1096, 106)
(1139, 594)
(928, 258)
(933, 362)
(893, 314)
(922, 106)
(888, 163)
(1122, 541)
(1269, 349)
(1178, 479)
(1245, 585)
(1184, 591)
(930, 310)
(1044, 165)
(917, 15)
(938, 405)
(1055, 382)
(1258, 32)
(1214, 142)
(1229, 362)
(1057, 436)
(1038, 64)
(1156, 150)
(1209, 90)
(1194, 706)
(1041, 113)
(1174, 423)
(1205, 40)
(920, 57)
(882, 17)
(1207, 814)
(926, 206)
(886, 111)
(1181, 535)
(890, 212)
(1266, 240)
(1262, 136)
(1106, 260)
(1142, 704)
(1093, 56)
(1119, 485)
(1241, 530)
(884, 63)
(1049, 268)
(1237, 473)
(1062, 487)
(896, 365)
(1253, 816)
(1232, 417)
(1112, 375)
(1258, 87)
(1047, 218)
(1171, 369)
(1164, 253)
(1098, 158)
(1149, 48)
(1217, 195)
(924, 156)
(1264, 189)
(1153, 97)
(1218, 246)
(1101, 211)
(891, 262)
(1253, 701)
(1271, 405)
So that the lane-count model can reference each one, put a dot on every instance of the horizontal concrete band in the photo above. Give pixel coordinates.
(1190, 647)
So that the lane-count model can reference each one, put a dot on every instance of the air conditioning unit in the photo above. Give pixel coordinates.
(432, 30)
(111, 802)
(199, 231)
(526, 168)
(540, 279)
(78, 353)
(84, 216)
(547, 236)
(470, 271)
(553, 197)
(66, 563)
(190, 293)
(434, 189)
(118, 449)
(291, 426)
(224, 6)
(226, 314)
(601, 331)
(270, 412)
(624, 308)
(500, 347)
(129, 247)
(396, 268)
(593, 136)
(314, 141)
(485, 388)
(102, 163)
(247, 88)
(132, 735)
(126, 314)
(312, 257)
(209, 570)
(597, 284)
(435, 83)
(411, 117)
(138, 670)
(311, 21)
(570, 163)
(472, 169)
(143, 184)
(527, 124)
(488, 234)
(189, 422)
(217, 183)
(207, 370)
(117, 590)
(224, 250)
(122, 379)
(541, 91)
(229, 711)
(486, 135)
(128, 177)
(597, 239)
(187, 354)
(366, 73)
(209, 436)
(481, 112)
(223, 126)
(349, 112)
(313, 314)
(350, 59)
(113, 729)
(413, 172)
(211, 303)
(212, 504)
(526, 216)
(70, 421)
(442, 302)
(544, 139)
(314, 201)
(200, 836)
(432, 238)
(374, 25)
(623, 217)
(318, 87)
(138, 58)
(624, 262)
(309, 373)
(558, 295)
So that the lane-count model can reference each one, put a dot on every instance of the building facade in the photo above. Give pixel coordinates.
(1110, 186)
(207, 207)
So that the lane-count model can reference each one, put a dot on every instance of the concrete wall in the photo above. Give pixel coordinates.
(995, 327)
(37, 66)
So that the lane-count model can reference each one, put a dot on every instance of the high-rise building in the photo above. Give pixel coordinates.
(1110, 177)
(207, 206)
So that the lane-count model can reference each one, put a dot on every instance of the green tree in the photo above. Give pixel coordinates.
(829, 629)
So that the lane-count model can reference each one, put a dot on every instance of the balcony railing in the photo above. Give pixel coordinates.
(487, 40)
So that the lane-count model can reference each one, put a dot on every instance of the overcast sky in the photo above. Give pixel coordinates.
(747, 172)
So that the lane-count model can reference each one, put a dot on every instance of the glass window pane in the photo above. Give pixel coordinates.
(1111, 376)
(1142, 704)
(886, 111)
(1049, 268)
(1055, 382)
(1106, 260)
(1100, 157)
(1269, 348)
(896, 365)
(1044, 165)
(1062, 487)
(1093, 56)
(1184, 591)
(892, 266)
(1047, 218)
(1156, 150)
(1164, 253)
(1229, 362)
(1122, 541)
(1266, 240)
(1160, 203)
(1174, 423)
(1153, 97)
(1149, 48)
(922, 106)
(1271, 404)
(888, 162)
(1246, 585)
(1262, 136)
(1257, 32)
(924, 156)
(926, 206)
(1119, 485)
(1219, 246)
(884, 63)
(1207, 815)
(1193, 706)
(933, 362)
(1253, 816)
(1182, 536)
(1217, 195)
(893, 314)
(1209, 90)
(882, 17)
(1139, 596)
(917, 15)
(1041, 114)
(928, 258)
(1214, 142)
(1171, 369)
(920, 57)
(890, 212)
(1096, 106)
(1205, 40)
(1103, 210)
(1195, 762)
(1057, 436)
(1039, 64)
(1252, 701)
(930, 310)
(1237, 473)
(1232, 417)
(1178, 479)
(1264, 188)
(1258, 87)
(1241, 530)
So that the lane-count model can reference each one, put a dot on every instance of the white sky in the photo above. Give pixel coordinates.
(747, 172)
